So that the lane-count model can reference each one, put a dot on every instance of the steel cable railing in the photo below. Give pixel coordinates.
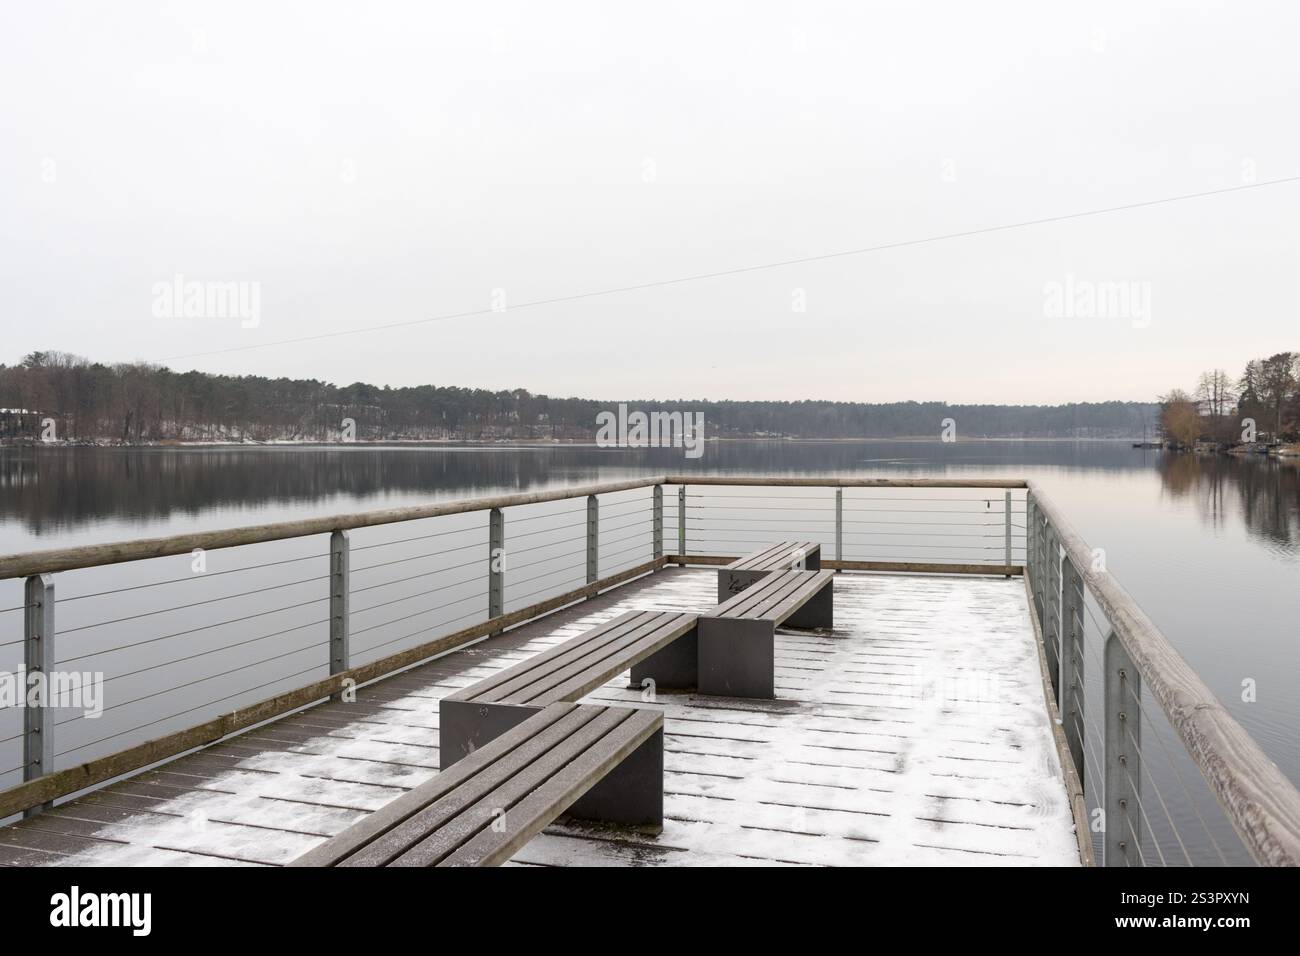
(1110, 663)
(1166, 828)
(920, 528)
(449, 576)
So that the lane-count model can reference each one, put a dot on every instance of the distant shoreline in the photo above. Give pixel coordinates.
(527, 442)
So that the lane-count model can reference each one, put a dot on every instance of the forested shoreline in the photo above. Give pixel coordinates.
(135, 403)
(1262, 405)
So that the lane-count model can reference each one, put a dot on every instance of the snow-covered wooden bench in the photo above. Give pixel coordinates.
(737, 639)
(784, 556)
(493, 801)
(655, 644)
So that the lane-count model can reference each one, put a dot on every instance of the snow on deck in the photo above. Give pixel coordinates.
(915, 732)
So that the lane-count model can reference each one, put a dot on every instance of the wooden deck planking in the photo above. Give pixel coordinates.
(852, 764)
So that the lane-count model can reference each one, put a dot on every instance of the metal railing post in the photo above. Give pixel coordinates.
(593, 538)
(1007, 513)
(681, 521)
(1040, 590)
(658, 522)
(1031, 546)
(1122, 775)
(1070, 661)
(496, 563)
(839, 524)
(38, 658)
(1052, 605)
(340, 572)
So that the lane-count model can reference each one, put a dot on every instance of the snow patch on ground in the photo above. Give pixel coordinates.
(913, 733)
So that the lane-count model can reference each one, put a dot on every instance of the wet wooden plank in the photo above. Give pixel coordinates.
(854, 765)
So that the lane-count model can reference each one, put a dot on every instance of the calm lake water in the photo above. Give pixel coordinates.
(1209, 546)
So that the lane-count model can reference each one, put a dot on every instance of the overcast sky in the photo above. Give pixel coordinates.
(372, 163)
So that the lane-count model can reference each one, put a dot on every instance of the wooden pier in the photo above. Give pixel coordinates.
(914, 733)
(952, 714)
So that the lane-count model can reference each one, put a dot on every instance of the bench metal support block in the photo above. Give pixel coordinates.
(731, 583)
(632, 794)
(466, 725)
(737, 657)
(675, 667)
(817, 612)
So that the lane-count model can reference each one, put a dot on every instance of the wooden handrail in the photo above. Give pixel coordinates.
(833, 482)
(96, 555)
(1260, 802)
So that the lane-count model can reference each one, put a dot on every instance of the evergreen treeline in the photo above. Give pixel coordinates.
(135, 403)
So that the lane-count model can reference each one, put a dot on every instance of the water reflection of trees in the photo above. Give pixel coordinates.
(1265, 493)
(47, 489)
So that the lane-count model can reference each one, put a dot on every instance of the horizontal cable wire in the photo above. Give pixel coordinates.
(194, 630)
(417, 557)
(478, 529)
(1136, 785)
(553, 587)
(412, 597)
(924, 524)
(1142, 810)
(643, 534)
(511, 534)
(635, 506)
(193, 604)
(211, 703)
(550, 544)
(554, 514)
(641, 546)
(415, 577)
(215, 650)
(195, 576)
(509, 583)
(644, 521)
(407, 617)
(549, 557)
(201, 680)
(423, 630)
(1169, 757)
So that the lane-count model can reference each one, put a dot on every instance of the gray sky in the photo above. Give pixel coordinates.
(372, 163)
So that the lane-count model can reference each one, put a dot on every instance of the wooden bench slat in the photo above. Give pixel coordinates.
(774, 557)
(788, 588)
(589, 662)
(585, 681)
(756, 558)
(539, 808)
(339, 847)
(450, 834)
(747, 597)
(749, 602)
(384, 849)
(539, 662)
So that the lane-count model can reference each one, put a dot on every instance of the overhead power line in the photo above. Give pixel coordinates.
(739, 270)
